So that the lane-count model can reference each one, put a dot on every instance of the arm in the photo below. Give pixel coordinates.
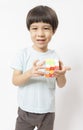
(61, 80)
(60, 75)
(19, 78)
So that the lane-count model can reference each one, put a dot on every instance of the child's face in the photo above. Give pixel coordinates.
(41, 34)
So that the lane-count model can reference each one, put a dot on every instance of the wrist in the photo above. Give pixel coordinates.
(29, 73)
(61, 76)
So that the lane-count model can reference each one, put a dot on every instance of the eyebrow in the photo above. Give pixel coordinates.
(46, 25)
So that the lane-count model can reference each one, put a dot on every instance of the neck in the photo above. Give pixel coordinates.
(40, 49)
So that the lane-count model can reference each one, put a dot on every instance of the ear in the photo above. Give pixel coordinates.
(54, 32)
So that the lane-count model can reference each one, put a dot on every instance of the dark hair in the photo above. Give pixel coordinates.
(42, 14)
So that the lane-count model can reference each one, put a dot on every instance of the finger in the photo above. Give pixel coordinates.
(39, 73)
(60, 65)
(63, 70)
(67, 68)
(40, 67)
(42, 63)
(35, 62)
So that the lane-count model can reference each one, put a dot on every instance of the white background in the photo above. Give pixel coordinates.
(67, 41)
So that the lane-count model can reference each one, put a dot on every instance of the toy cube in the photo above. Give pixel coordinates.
(51, 66)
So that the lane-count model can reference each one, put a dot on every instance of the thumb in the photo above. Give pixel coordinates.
(67, 68)
(60, 65)
(35, 62)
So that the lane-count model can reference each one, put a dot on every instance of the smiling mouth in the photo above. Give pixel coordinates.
(40, 39)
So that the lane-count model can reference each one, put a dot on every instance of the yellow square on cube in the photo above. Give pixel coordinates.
(51, 65)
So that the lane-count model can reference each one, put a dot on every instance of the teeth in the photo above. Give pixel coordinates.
(41, 40)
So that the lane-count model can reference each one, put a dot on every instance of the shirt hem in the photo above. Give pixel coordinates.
(36, 110)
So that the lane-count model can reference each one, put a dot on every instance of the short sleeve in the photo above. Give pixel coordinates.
(17, 62)
(55, 55)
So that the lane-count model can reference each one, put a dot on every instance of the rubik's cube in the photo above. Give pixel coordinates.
(51, 66)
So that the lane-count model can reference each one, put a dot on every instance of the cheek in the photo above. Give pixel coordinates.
(49, 37)
(49, 34)
(32, 35)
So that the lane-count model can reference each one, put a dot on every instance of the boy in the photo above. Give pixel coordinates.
(36, 93)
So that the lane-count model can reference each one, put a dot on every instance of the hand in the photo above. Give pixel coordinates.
(35, 70)
(62, 70)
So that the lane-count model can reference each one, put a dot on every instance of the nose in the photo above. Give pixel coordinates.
(40, 32)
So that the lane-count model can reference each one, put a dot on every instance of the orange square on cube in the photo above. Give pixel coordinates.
(51, 66)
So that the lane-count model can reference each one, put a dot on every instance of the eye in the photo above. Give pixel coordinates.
(34, 28)
(46, 28)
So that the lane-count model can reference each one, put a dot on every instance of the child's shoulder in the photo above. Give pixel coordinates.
(25, 50)
(54, 53)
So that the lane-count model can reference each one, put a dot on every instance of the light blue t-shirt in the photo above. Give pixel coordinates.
(38, 94)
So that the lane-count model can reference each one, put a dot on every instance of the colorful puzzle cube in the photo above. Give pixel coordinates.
(51, 66)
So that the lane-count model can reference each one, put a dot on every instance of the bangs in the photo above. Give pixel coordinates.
(39, 17)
